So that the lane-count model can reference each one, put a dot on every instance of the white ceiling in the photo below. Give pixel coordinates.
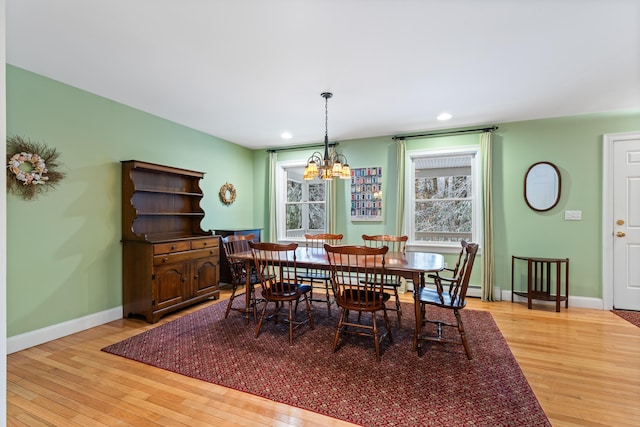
(247, 70)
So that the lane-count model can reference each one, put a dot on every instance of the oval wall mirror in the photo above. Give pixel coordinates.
(542, 186)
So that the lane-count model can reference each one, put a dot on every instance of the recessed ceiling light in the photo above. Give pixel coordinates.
(444, 116)
(286, 135)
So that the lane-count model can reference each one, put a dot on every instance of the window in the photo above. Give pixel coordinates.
(301, 204)
(443, 197)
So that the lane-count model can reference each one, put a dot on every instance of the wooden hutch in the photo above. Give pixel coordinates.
(168, 261)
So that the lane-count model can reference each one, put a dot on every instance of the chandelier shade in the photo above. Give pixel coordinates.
(331, 165)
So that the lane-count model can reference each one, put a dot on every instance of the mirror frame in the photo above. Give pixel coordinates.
(557, 198)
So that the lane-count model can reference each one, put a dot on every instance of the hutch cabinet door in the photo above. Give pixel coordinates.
(205, 275)
(170, 283)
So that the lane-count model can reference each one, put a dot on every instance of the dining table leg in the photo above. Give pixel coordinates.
(418, 283)
(247, 291)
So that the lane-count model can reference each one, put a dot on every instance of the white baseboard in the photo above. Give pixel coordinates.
(574, 301)
(505, 295)
(40, 336)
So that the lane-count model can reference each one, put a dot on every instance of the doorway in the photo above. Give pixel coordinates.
(621, 221)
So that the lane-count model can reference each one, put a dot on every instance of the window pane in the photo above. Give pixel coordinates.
(443, 221)
(316, 192)
(294, 191)
(294, 217)
(449, 187)
(316, 216)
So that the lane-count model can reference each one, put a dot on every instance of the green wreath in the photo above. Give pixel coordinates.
(31, 168)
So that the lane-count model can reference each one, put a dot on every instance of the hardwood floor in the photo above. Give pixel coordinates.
(583, 366)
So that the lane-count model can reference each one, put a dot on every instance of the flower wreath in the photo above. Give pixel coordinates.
(227, 188)
(31, 167)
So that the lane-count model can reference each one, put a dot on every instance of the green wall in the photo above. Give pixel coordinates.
(64, 253)
(574, 144)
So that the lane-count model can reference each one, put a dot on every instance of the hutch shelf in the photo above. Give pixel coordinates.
(168, 261)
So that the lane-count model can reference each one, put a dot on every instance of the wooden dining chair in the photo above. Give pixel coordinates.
(357, 274)
(318, 278)
(276, 267)
(453, 272)
(235, 244)
(450, 294)
(392, 282)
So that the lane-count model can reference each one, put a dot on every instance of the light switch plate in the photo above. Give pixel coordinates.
(573, 215)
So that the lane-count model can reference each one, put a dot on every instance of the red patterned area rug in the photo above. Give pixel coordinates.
(441, 388)
(629, 316)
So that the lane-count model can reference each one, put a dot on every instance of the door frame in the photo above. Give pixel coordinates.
(608, 141)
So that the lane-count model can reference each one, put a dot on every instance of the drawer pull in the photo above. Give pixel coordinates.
(173, 248)
(205, 244)
(165, 259)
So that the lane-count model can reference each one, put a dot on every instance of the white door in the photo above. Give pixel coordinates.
(626, 221)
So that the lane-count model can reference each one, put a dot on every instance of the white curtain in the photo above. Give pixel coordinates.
(400, 166)
(487, 206)
(273, 208)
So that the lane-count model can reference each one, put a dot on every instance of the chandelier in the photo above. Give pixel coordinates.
(332, 165)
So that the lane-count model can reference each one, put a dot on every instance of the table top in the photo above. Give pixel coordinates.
(396, 262)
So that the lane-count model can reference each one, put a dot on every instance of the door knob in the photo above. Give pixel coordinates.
(620, 234)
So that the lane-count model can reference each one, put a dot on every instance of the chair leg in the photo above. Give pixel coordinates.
(398, 306)
(376, 338)
(326, 286)
(276, 313)
(386, 322)
(254, 303)
(309, 315)
(264, 310)
(291, 321)
(234, 287)
(463, 335)
(336, 339)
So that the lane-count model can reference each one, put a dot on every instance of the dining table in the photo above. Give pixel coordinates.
(411, 265)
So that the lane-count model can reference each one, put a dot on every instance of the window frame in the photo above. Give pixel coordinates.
(476, 196)
(281, 198)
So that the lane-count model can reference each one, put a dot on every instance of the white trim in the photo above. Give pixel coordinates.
(40, 336)
(574, 301)
(608, 140)
(505, 295)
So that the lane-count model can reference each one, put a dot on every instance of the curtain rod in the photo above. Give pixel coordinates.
(444, 133)
(300, 147)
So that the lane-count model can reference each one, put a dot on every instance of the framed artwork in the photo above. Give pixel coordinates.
(366, 194)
